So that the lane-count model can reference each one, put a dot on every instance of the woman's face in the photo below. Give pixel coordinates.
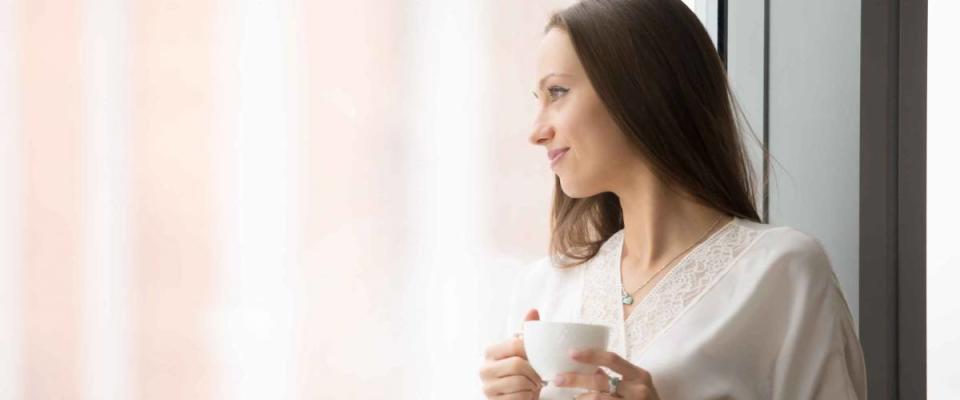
(570, 115)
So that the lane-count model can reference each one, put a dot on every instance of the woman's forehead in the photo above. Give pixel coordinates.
(557, 55)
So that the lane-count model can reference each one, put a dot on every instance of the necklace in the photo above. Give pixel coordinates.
(627, 298)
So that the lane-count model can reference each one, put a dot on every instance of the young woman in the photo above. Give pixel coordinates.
(655, 233)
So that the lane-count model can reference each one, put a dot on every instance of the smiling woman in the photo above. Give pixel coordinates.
(655, 233)
(615, 102)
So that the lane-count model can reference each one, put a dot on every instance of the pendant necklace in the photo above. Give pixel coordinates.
(627, 298)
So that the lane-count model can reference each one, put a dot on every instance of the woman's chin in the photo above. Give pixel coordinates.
(575, 192)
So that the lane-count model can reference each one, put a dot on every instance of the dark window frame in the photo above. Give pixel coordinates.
(893, 60)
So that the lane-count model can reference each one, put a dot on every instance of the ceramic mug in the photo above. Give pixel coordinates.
(548, 346)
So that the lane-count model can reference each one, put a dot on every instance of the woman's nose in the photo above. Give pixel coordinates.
(541, 132)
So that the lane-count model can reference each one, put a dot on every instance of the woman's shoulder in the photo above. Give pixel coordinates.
(784, 240)
(790, 267)
(546, 269)
(547, 275)
(790, 252)
(540, 284)
(535, 270)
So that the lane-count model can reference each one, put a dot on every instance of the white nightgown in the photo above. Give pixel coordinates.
(753, 312)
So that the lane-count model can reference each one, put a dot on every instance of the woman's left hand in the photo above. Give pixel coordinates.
(636, 383)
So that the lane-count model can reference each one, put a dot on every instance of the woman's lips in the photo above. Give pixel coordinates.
(556, 158)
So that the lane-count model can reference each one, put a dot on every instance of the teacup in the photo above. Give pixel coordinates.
(548, 346)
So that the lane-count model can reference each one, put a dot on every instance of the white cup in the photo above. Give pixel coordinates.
(548, 346)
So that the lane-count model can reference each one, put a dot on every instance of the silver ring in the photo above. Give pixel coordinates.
(614, 382)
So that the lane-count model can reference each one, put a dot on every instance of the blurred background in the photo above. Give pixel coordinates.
(292, 199)
(262, 199)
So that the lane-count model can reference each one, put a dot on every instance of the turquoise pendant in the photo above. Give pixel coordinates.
(627, 298)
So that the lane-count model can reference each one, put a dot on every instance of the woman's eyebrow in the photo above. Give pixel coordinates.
(540, 85)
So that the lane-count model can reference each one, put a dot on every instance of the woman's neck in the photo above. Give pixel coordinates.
(659, 224)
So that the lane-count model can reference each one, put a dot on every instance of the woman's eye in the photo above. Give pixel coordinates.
(555, 89)
(552, 90)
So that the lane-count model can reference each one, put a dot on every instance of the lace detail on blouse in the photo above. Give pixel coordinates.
(670, 297)
(601, 297)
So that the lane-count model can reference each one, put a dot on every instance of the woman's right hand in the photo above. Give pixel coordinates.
(506, 374)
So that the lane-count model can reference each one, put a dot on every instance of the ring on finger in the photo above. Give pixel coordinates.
(614, 383)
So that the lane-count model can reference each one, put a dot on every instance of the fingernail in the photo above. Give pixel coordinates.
(575, 353)
(560, 380)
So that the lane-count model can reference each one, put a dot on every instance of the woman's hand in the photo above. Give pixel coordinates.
(636, 384)
(507, 375)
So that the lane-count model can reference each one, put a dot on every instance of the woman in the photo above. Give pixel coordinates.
(655, 233)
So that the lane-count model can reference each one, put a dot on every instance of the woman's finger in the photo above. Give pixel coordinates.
(510, 366)
(509, 348)
(610, 360)
(516, 396)
(598, 380)
(636, 390)
(597, 396)
(509, 385)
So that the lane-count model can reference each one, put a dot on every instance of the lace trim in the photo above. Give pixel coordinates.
(601, 296)
(683, 286)
(670, 297)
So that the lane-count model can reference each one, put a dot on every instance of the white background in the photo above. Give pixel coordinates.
(943, 198)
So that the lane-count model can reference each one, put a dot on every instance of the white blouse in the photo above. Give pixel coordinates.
(752, 312)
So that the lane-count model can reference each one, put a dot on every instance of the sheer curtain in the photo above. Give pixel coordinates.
(263, 199)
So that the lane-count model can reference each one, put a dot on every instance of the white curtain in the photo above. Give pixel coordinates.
(263, 199)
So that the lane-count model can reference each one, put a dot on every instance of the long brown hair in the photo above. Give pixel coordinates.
(654, 67)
